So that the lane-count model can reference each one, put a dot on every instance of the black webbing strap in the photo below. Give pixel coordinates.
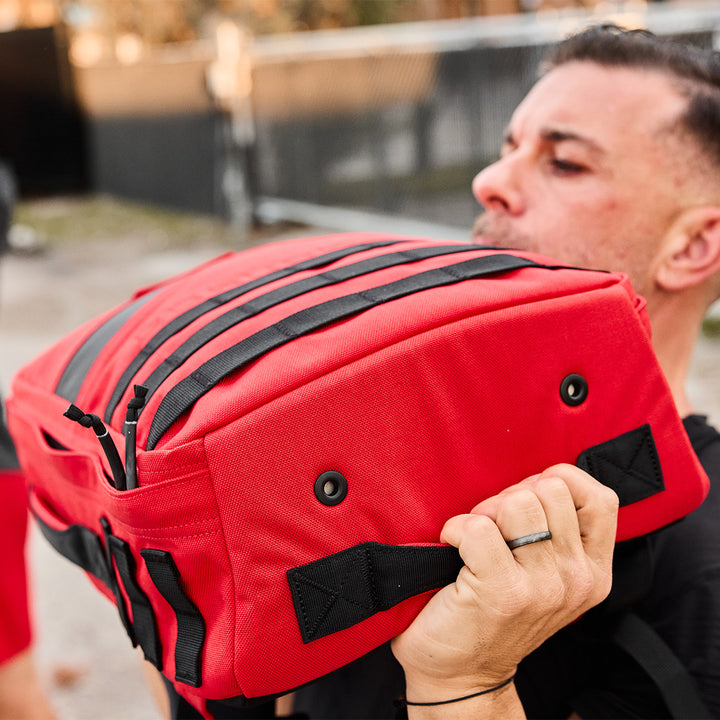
(677, 688)
(628, 464)
(143, 616)
(182, 396)
(341, 590)
(75, 371)
(190, 623)
(81, 546)
(292, 290)
(183, 320)
(115, 586)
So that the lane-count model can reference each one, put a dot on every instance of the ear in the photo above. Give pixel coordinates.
(691, 252)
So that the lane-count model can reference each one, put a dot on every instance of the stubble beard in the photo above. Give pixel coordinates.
(489, 229)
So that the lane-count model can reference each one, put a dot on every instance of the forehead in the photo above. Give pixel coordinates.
(610, 105)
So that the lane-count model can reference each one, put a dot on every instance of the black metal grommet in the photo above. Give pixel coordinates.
(331, 488)
(574, 389)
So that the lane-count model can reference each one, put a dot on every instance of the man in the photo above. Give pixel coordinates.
(21, 695)
(611, 162)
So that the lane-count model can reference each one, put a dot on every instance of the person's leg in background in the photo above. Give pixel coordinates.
(21, 694)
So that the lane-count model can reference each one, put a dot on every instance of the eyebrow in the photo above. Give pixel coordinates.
(553, 135)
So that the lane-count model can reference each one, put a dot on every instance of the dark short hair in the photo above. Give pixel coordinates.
(694, 70)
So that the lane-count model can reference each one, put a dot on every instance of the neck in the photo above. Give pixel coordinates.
(676, 323)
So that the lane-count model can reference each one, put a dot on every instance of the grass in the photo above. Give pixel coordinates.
(711, 326)
(89, 218)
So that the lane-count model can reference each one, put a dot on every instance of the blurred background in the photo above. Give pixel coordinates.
(141, 137)
(265, 110)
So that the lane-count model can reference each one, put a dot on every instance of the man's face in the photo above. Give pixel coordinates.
(590, 173)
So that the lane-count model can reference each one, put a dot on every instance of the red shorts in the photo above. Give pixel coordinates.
(14, 618)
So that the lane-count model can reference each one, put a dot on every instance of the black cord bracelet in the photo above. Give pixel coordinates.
(404, 702)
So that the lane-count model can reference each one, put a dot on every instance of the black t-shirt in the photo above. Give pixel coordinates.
(677, 571)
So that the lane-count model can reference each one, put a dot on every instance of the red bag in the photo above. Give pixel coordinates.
(306, 415)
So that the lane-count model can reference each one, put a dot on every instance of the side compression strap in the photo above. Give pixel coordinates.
(183, 395)
(191, 626)
(287, 292)
(193, 314)
(144, 623)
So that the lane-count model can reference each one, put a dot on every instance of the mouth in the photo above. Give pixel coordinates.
(494, 230)
(482, 231)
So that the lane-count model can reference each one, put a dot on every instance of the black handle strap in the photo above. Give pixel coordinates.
(187, 392)
(343, 589)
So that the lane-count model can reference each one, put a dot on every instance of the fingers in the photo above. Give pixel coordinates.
(595, 505)
(481, 545)
(505, 602)
(580, 513)
(596, 508)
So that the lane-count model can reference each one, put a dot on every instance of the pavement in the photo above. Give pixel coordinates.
(85, 659)
(87, 663)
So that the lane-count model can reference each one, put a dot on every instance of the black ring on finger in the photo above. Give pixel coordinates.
(529, 539)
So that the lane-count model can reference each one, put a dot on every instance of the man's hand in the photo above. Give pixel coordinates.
(505, 603)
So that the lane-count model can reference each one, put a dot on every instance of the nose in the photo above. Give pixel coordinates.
(497, 187)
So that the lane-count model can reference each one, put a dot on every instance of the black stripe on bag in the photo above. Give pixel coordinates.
(343, 589)
(189, 316)
(190, 623)
(183, 395)
(287, 292)
(144, 623)
(81, 362)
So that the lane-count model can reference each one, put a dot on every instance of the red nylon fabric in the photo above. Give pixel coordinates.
(15, 629)
(426, 404)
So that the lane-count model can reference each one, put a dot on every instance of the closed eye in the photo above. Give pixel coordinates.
(566, 167)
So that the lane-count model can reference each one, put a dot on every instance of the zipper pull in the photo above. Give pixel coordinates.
(106, 442)
(130, 428)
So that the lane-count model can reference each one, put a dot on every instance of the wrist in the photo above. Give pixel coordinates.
(500, 700)
(426, 692)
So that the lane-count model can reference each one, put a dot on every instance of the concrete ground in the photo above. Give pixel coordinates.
(97, 252)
